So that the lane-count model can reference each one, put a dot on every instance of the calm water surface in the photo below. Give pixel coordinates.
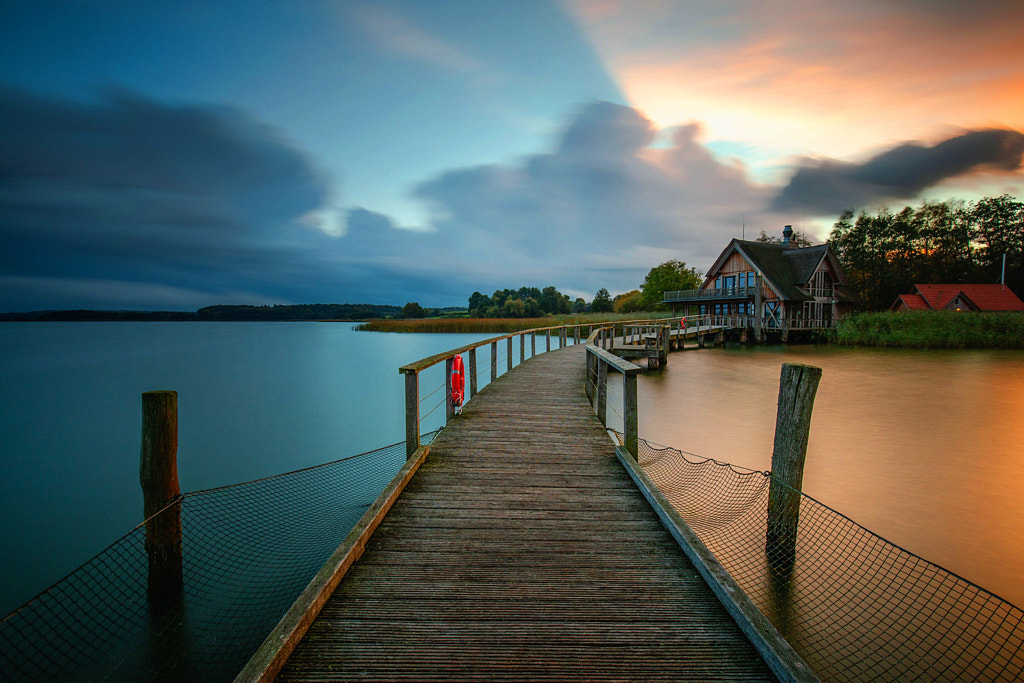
(254, 399)
(925, 448)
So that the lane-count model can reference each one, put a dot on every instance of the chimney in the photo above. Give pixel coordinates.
(787, 235)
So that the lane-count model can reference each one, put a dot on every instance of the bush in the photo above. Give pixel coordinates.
(933, 329)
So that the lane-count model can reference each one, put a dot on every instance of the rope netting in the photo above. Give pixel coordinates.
(248, 551)
(855, 606)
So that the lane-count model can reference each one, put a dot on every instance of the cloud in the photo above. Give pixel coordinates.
(134, 189)
(397, 33)
(595, 211)
(903, 172)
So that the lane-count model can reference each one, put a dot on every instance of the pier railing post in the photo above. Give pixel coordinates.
(533, 344)
(412, 412)
(494, 361)
(158, 474)
(548, 340)
(630, 416)
(522, 348)
(472, 371)
(797, 388)
(509, 353)
(602, 391)
(449, 407)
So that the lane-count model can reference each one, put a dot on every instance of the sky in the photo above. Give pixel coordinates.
(169, 155)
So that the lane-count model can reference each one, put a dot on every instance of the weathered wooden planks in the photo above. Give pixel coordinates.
(522, 551)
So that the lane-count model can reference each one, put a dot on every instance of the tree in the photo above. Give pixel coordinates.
(579, 306)
(670, 276)
(951, 242)
(630, 302)
(413, 310)
(602, 302)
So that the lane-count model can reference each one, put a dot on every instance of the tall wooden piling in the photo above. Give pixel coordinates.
(158, 474)
(797, 388)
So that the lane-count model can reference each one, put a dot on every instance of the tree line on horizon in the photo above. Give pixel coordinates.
(531, 302)
(953, 242)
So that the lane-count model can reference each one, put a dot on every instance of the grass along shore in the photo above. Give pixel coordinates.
(932, 330)
(500, 325)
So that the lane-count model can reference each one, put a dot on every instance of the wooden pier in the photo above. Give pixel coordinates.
(521, 550)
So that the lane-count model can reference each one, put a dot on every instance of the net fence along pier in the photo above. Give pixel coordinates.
(248, 551)
(855, 606)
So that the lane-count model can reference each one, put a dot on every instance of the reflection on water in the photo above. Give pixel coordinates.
(925, 448)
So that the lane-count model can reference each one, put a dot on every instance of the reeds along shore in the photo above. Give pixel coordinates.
(933, 330)
(498, 325)
(908, 329)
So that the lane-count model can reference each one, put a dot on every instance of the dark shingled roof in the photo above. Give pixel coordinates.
(784, 267)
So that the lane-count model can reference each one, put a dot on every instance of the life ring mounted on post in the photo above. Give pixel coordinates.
(458, 383)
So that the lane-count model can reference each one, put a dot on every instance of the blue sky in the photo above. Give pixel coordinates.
(172, 155)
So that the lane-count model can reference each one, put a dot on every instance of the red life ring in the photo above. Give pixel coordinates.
(458, 381)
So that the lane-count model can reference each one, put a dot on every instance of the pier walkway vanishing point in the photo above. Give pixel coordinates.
(521, 549)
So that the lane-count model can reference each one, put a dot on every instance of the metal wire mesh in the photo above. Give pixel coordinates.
(855, 606)
(248, 551)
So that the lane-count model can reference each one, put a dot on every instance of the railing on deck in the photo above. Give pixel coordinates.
(562, 333)
(599, 361)
(598, 335)
(707, 294)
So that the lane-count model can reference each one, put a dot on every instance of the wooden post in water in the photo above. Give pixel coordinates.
(797, 388)
(158, 474)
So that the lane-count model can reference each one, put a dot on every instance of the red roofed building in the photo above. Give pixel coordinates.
(958, 298)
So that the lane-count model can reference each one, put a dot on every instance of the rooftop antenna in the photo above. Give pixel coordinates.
(1002, 278)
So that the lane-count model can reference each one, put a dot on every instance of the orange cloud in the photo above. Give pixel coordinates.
(803, 77)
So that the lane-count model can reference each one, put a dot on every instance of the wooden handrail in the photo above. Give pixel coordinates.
(412, 370)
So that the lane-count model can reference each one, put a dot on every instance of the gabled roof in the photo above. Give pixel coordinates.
(785, 269)
(983, 297)
(913, 302)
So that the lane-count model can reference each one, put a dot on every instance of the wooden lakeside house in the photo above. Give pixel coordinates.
(958, 298)
(771, 287)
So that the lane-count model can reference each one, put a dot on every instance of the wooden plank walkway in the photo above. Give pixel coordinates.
(521, 550)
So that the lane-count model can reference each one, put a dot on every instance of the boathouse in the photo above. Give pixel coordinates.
(773, 286)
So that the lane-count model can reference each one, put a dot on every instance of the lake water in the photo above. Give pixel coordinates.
(254, 399)
(924, 448)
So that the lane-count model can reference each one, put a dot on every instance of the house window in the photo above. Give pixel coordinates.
(742, 280)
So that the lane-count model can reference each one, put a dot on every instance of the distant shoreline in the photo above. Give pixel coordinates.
(278, 313)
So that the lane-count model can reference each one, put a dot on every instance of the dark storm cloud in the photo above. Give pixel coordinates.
(135, 190)
(830, 187)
